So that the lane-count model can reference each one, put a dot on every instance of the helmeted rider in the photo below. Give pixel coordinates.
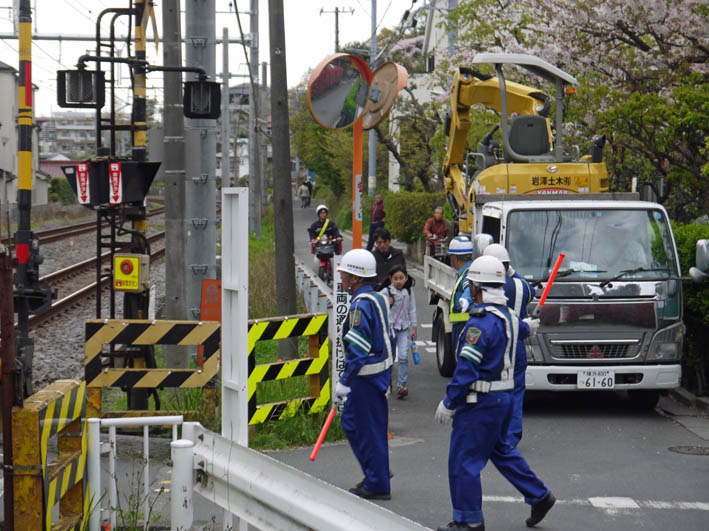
(323, 225)
(518, 293)
(478, 402)
(368, 341)
(460, 252)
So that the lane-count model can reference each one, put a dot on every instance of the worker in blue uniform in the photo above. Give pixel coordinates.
(460, 252)
(368, 341)
(518, 293)
(478, 402)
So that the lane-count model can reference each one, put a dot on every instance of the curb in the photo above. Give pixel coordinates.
(688, 399)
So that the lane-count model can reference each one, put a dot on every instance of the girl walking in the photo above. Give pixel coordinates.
(403, 321)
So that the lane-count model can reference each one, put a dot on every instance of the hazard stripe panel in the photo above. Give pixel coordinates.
(281, 328)
(131, 332)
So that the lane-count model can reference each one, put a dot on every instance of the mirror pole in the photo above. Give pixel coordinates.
(357, 184)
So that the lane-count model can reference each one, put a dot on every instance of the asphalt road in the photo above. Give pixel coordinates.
(609, 465)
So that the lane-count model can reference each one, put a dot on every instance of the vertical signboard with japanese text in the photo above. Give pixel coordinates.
(340, 310)
(83, 192)
(116, 186)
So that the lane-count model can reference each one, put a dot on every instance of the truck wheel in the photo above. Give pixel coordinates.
(644, 398)
(445, 357)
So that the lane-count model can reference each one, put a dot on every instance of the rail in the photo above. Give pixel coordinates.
(264, 492)
(94, 493)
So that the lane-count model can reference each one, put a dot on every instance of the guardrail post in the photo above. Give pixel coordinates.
(93, 463)
(181, 506)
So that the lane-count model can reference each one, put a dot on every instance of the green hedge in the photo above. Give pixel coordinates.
(696, 310)
(407, 213)
(60, 191)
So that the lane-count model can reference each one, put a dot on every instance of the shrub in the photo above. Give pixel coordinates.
(60, 191)
(407, 213)
(696, 309)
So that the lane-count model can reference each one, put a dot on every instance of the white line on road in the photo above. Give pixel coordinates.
(426, 325)
(431, 349)
(425, 343)
(612, 504)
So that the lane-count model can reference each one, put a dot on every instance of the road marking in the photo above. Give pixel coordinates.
(426, 325)
(431, 349)
(614, 504)
(425, 343)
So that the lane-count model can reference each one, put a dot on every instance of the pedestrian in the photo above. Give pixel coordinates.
(368, 343)
(309, 184)
(518, 293)
(385, 255)
(304, 193)
(460, 253)
(376, 219)
(399, 291)
(436, 231)
(478, 402)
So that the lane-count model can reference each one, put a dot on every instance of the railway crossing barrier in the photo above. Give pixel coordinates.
(315, 365)
(40, 483)
(130, 332)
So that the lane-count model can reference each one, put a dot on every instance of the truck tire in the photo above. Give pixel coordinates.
(645, 399)
(445, 357)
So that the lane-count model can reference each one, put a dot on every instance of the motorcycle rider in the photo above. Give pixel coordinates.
(460, 253)
(435, 230)
(324, 225)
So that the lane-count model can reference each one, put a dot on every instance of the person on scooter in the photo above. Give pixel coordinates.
(435, 230)
(324, 225)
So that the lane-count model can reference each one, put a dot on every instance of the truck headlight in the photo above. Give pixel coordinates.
(667, 344)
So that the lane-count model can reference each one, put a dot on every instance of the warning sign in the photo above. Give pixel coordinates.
(82, 183)
(130, 272)
(114, 178)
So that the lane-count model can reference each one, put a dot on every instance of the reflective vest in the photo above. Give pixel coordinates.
(458, 317)
(506, 381)
(382, 306)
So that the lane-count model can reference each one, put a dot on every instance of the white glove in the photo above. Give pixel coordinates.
(533, 325)
(341, 390)
(444, 415)
(464, 304)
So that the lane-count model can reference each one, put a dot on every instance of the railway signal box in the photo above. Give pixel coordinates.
(131, 272)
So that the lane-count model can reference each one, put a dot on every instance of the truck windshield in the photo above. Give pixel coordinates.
(597, 244)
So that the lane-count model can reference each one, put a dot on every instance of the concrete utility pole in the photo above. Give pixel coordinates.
(372, 181)
(337, 12)
(282, 195)
(262, 144)
(200, 164)
(226, 140)
(176, 264)
(255, 183)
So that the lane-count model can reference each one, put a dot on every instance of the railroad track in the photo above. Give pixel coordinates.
(80, 295)
(61, 233)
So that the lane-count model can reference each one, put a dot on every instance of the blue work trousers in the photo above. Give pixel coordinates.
(514, 432)
(365, 418)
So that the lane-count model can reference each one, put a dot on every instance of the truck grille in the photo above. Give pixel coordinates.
(593, 351)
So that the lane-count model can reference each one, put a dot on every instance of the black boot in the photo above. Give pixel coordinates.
(462, 526)
(540, 510)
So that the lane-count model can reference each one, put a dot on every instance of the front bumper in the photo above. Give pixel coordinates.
(563, 377)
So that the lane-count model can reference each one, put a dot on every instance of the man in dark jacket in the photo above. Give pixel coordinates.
(385, 255)
(376, 219)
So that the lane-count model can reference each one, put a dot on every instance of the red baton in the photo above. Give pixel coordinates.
(554, 271)
(323, 432)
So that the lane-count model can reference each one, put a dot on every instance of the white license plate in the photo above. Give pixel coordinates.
(595, 379)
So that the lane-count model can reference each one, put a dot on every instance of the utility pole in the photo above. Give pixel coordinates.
(255, 184)
(372, 181)
(262, 144)
(176, 265)
(226, 140)
(337, 12)
(200, 164)
(282, 196)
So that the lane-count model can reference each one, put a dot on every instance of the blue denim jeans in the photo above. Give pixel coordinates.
(402, 355)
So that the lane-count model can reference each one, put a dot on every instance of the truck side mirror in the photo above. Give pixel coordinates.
(701, 272)
(480, 242)
(202, 99)
(80, 89)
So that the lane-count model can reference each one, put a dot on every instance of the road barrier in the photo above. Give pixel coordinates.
(133, 332)
(39, 484)
(313, 326)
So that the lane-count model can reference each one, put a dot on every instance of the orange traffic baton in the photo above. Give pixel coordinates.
(323, 432)
(543, 298)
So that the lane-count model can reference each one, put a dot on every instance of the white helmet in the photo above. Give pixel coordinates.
(321, 207)
(359, 262)
(460, 245)
(486, 270)
(498, 251)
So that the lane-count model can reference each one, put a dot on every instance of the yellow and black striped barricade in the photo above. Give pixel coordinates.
(315, 365)
(130, 332)
(39, 483)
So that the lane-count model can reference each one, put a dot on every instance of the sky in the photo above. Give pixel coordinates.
(310, 37)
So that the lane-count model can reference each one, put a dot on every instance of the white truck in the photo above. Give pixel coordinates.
(613, 317)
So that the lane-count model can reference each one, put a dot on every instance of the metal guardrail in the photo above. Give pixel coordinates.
(318, 296)
(264, 492)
